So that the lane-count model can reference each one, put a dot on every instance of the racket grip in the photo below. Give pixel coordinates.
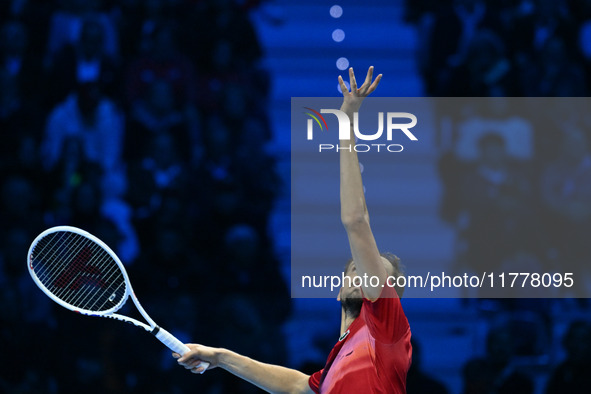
(175, 345)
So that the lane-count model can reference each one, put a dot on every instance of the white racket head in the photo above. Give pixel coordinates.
(78, 271)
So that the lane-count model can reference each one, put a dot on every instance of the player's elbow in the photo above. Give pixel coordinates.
(299, 385)
(372, 293)
(355, 222)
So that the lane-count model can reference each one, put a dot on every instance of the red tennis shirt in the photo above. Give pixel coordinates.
(373, 355)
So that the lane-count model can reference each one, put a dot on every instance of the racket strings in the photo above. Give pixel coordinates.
(78, 271)
(51, 265)
(58, 267)
(66, 271)
(84, 253)
(80, 278)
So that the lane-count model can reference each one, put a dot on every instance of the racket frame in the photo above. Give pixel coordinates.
(164, 336)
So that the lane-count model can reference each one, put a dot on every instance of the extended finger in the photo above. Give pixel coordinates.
(374, 85)
(368, 78)
(352, 80)
(344, 89)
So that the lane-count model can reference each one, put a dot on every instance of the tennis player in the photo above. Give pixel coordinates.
(373, 353)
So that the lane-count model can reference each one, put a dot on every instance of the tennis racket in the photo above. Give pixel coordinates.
(80, 272)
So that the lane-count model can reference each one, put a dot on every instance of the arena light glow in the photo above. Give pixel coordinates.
(342, 63)
(338, 35)
(336, 11)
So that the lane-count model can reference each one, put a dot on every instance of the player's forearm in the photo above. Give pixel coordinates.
(353, 208)
(271, 378)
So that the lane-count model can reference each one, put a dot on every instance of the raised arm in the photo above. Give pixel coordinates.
(271, 378)
(354, 214)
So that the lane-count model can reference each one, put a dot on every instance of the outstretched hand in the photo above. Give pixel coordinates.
(353, 99)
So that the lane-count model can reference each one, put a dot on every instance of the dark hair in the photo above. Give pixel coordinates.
(396, 265)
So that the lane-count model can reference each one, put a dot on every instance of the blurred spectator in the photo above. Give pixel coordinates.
(485, 70)
(77, 203)
(551, 19)
(245, 266)
(71, 171)
(67, 22)
(450, 32)
(160, 173)
(495, 115)
(494, 373)
(256, 171)
(17, 63)
(35, 15)
(231, 86)
(140, 19)
(219, 186)
(159, 196)
(119, 214)
(84, 62)
(157, 114)
(494, 42)
(226, 22)
(554, 72)
(90, 116)
(20, 118)
(242, 179)
(473, 16)
(20, 128)
(572, 375)
(244, 102)
(497, 197)
(162, 61)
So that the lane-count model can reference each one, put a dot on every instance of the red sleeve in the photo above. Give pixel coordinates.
(384, 317)
(314, 381)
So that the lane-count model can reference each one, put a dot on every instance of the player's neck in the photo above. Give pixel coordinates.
(346, 321)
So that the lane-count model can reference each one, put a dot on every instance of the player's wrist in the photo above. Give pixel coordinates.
(351, 107)
(222, 357)
(349, 112)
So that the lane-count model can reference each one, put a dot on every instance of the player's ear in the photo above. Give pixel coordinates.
(339, 295)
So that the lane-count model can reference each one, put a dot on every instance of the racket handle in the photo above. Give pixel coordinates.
(175, 345)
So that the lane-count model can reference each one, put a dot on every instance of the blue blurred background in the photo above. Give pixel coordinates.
(163, 127)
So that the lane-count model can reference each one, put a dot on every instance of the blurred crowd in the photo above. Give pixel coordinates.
(504, 48)
(144, 123)
(516, 173)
